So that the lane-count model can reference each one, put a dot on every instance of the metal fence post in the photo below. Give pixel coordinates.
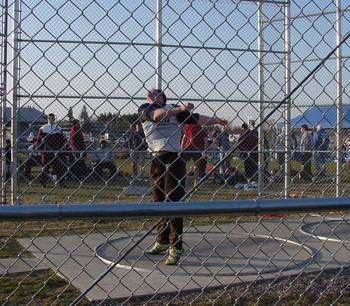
(159, 44)
(261, 98)
(339, 100)
(3, 98)
(287, 87)
(14, 116)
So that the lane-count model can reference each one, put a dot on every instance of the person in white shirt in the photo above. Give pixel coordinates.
(52, 143)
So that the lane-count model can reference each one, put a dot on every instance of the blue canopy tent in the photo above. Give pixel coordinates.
(326, 116)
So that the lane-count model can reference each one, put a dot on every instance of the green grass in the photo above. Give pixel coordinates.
(92, 191)
(9, 247)
(38, 288)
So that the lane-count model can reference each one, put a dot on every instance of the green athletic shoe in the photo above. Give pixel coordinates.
(174, 256)
(157, 248)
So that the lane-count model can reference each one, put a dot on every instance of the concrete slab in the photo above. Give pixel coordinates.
(215, 256)
(329, 230)
(205, 257)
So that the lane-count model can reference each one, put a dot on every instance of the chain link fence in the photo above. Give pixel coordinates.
(275, 70)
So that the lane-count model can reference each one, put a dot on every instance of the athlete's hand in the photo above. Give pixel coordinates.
(222, 121)
(187, 106)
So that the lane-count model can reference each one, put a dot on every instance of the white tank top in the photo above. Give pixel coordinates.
(164, 135)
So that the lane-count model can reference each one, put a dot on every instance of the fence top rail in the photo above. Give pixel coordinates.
(174, 209)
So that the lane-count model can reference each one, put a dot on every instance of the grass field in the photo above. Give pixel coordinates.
(36, 288)
(94, 190)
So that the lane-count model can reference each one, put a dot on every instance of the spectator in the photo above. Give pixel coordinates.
(214, 154)
(266, 155)
(51, 142)
(8, 158)
(103, 158)
(224, 144)
(78, 147)
(138, 148)
(294, 141)
(321, 145)
(306, 147)
(32, 160)
(161, 123)
(195, 143)
(280, 148)
(251, 124)
(345, 150)
(248, 145)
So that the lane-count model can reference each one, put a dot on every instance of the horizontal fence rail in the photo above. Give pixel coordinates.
(171, 209)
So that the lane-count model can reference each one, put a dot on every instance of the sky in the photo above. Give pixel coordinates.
(102, 54)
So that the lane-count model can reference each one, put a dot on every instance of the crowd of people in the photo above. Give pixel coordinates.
(313, 146)
(59, 157)
(203, 148)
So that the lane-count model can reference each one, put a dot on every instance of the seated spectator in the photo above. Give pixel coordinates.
(32, 160)
(103, 158)
(233, 176)
(214, 154)
(194, 143)
(224, 143)
(138, 149)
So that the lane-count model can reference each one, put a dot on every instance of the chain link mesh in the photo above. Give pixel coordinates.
(91, 64)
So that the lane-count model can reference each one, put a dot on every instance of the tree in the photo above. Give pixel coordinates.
(70, 114)
(85, 120)
(84, 115)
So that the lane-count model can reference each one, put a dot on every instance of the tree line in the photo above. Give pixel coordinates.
(115, 123)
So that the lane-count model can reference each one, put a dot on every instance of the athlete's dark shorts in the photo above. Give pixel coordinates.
(168, 181)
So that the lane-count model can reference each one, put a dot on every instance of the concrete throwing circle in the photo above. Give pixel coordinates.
(212, 253)
(329, 230)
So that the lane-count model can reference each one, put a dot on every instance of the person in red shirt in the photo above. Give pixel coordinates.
(195, 143)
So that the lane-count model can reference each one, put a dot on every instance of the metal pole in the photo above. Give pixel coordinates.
(287, 106)
(171, 209)
(3, 100)
(307, 16)
(14, 173)
(261, 98)
(159, 44)
(339, 100)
